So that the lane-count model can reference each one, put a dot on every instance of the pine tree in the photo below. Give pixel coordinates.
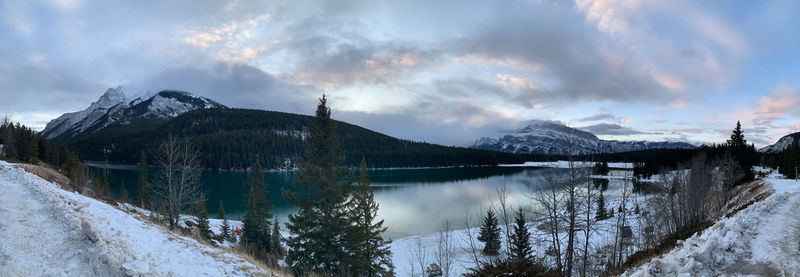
(202, 219)
(600, 168)
(276, 239)
(490, 235)
(7, 136)
(143, 196)
(225, 229)
(737, 137)
(255, 229)
(790, 159)
(371, 255)
(317, 240)
(520, 248)
(601, 207)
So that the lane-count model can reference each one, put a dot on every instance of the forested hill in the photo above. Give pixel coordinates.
(237, 138)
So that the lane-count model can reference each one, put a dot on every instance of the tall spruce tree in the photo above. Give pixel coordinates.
(202, 219)
(320, 190)
(520, 248)
(7, 137)
(225, 229)
(737, 137)
(371, 253)
(143, 187)
(255, 229)
(490, 235)
(601, 207)
(277, 248)
(790, 160)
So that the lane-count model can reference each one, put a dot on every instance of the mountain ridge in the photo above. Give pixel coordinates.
(115, 108)
(554, 138)
(781, 144)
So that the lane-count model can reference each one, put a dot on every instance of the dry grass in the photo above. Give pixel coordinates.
(664, 246)
(748, 195)
(741, 197)
(48, 173)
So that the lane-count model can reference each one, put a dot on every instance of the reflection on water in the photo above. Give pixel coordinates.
(412, 201)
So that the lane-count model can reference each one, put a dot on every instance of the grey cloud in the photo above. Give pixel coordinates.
(337, 50)
(599, 117)
(468, 87)
(30, 87)
(610, 129)
(566, 48)
(412, 126)
(235, 85)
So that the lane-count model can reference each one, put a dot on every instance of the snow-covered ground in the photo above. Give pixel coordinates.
(762, 240)
(47, 231)
(565, 164)
(405, 250)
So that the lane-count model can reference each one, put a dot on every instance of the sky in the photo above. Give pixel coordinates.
(446, 72)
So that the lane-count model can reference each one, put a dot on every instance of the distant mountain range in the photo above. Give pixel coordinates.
(115, 109)
(553, 138)
(117, 129)
(781, 144)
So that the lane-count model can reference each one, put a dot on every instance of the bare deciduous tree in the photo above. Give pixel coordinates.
(178, 186)
(418, 257)
(445, 249)
(502, 197)
(550, 203)
(586, 199)
(469, 236)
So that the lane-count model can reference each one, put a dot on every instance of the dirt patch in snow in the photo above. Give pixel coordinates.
(744, 267)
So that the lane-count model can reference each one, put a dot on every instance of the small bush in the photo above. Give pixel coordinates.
(511, 268)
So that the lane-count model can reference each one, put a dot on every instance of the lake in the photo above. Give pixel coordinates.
(412, 201)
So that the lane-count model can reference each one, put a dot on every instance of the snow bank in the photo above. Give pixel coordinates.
(126, 243)
(759, 240)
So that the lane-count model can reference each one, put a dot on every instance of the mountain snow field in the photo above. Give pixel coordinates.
(47, 231)
(115, 108)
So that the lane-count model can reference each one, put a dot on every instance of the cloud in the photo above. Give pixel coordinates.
(336, 62)
(562, 49)
(610, 129)
(235, 85)
(609, 16)
(453, 68)
(700, 50)
(781, 102)
(466, 87)
(43, 88)
(599, 117)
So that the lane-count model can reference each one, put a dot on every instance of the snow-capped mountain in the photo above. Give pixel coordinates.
(548, 137)
(114, 108)
(781, 145)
